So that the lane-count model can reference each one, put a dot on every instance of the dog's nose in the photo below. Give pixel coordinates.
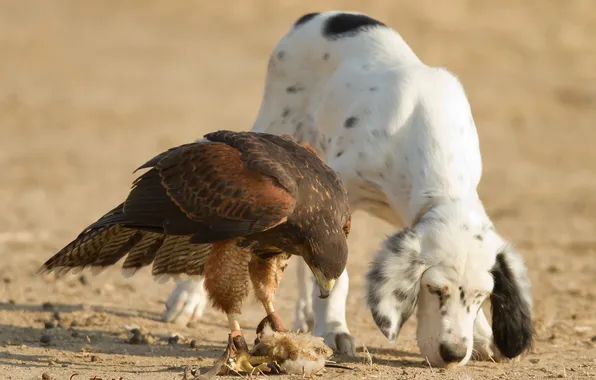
(453, 353)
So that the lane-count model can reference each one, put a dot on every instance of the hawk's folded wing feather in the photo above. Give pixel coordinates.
(210, 190)
(207, 189)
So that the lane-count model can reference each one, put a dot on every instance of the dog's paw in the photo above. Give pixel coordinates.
(342, 343)
(186, 303)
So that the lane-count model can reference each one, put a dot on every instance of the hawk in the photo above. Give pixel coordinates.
(233, 207)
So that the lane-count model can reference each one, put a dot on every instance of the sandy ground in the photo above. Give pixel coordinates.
(90, 90)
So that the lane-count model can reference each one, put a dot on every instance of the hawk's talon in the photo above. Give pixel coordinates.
(273, 320)
(236, 346)
(241, 363)
(244, 362)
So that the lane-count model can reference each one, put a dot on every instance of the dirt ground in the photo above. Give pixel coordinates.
(90, 89)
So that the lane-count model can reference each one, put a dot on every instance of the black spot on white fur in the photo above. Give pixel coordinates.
(294, 89)
(511, 313)
(348, 25)
(351, 122)
(400, 295)
(395, 242)
(306, 18)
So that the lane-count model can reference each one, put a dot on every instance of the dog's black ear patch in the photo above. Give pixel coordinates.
(306, 18)
(511, 313)
(347, 25)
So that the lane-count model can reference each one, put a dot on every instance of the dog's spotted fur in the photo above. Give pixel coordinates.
(402, 137)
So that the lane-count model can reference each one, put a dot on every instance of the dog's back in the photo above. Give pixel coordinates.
(352, 87)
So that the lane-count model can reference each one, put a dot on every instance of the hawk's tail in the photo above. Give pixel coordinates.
(111, 238)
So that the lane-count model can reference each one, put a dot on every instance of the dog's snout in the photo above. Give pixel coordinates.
(453, 353)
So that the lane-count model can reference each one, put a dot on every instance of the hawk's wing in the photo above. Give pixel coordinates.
(211, 190)
(214, 191)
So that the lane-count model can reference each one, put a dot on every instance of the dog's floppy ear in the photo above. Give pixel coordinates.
(511, 303)
(393, 282)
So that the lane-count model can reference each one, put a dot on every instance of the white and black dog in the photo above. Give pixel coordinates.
(402, 137)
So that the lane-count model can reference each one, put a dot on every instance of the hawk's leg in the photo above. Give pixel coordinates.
(265, 275)
(227, 284)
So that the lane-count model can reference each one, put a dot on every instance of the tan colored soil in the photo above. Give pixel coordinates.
(90, 89)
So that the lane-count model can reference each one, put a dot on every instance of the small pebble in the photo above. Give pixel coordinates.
(553, 269)
(45, 339)
(534, 361)
(173, 339)
(47, 306)
(193, 343)
(83, 280)
(49, 324)
(582, 329)
(93, 358)
(11, 301)
(73, 324)
(137, 338)
(46, 376)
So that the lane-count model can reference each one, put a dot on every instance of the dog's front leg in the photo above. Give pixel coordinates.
(484, 349)
(304, 320)
(330, 317)
(187, 302)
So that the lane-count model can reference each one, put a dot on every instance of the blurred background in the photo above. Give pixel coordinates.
(90, 89)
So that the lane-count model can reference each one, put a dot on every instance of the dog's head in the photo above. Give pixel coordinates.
(447, 267)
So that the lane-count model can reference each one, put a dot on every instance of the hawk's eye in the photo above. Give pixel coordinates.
(347, 227)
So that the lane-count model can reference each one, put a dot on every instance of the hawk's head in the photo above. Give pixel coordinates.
(326, 253)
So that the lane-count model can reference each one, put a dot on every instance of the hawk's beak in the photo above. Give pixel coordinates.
(325, 285)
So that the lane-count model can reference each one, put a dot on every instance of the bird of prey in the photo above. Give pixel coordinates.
(233, 207)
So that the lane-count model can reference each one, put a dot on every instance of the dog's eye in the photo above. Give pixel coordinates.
(439, 291)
